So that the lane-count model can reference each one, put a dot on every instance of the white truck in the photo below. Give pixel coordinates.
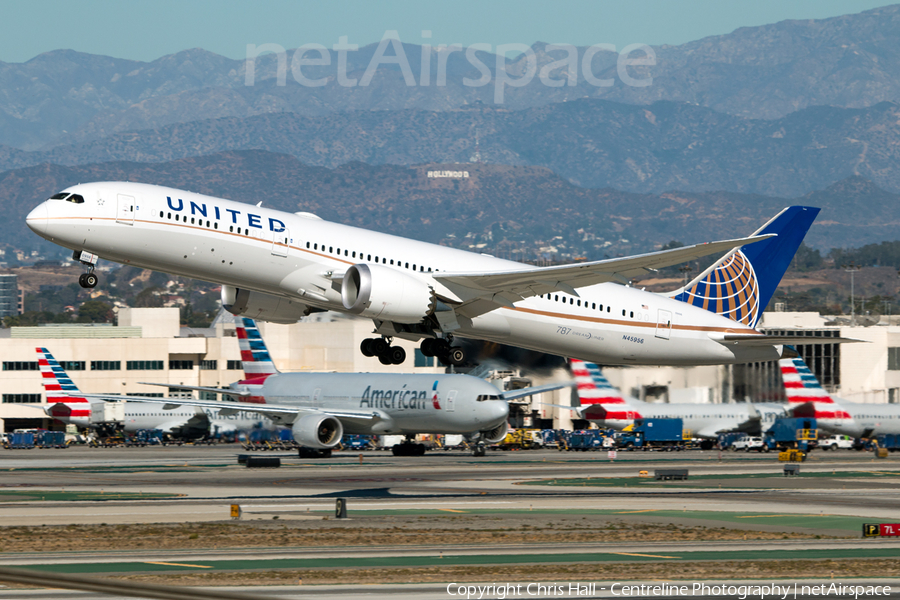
(835, 442)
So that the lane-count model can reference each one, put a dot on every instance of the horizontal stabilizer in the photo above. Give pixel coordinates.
(196, 388)
(751, 339)
(537, 389)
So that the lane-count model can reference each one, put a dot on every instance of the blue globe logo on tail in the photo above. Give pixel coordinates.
(730, 290)
(740, 285)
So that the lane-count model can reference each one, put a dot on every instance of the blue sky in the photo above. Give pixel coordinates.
(146, 30)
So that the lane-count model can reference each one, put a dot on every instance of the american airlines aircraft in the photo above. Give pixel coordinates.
(320, 407)
(67, 403)
(605, 405)
(280, 266)
(807, 398)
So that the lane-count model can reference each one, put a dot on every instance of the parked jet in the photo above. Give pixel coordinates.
(807, 398)
(603, 404)
(280, 266)
(66, 403)
(320, 407)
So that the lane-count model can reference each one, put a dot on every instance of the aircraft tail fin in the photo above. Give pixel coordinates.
(599, 399)
(254, 354)
(64, 401)
(805, 396)
(740, 285)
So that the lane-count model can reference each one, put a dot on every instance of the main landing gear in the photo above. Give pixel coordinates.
(395, 355)
(408, 448)
(441, 348)
(381, 347)
(88, 280)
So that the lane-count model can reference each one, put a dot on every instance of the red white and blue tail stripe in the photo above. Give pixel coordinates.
(254, 354)
(600, 401)
(805, 396)
(63, 400)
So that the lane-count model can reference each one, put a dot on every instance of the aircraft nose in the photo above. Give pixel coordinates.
(499, 410)
(37, 219)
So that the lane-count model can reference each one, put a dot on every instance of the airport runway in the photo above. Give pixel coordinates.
(835, 494)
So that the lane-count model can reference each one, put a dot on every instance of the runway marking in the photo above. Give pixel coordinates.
(451, 510)
(628, 512)
(770, 516)
(169, 564)
(366, 506)
(647, 555)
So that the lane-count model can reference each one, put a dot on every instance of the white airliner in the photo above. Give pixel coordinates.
(320, 407)
(69, 405)
(807, 398)
(605, 405)
(280, 266)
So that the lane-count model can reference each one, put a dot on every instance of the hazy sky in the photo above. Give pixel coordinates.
(148, 29)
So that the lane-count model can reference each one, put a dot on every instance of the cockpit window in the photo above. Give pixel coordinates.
(486, 397)
(77, 199)
(59, 196)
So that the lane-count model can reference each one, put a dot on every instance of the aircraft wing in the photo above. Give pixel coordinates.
(537, 389)
(505, 287)
(276, 411)
(196, 388)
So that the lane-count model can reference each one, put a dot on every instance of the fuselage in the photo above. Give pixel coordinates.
(861, 420)
(297, 257)
(702, 420)
(405, 404)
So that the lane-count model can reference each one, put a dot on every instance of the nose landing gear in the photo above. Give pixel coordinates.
(381, 347)
(441, 348)
(89, 279)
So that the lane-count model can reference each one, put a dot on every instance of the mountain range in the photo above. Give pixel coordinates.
(65, 97)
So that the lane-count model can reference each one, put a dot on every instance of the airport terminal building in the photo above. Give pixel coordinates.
(148, 345)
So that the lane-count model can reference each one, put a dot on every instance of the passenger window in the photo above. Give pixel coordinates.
(170, 215)
(215, 225)
(330, 250)
(556, 298)
(354, 254)
(407, 266)
(631, 314)
(593, 306)
(160, 214)
(192, 220)
(176, 216)
(623, 312)
(579, 303)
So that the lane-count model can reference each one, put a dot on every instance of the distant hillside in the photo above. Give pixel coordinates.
(520, 212)
(592, 143)
(66, 97)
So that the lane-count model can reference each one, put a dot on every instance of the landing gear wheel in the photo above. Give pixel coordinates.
(385, 359)
(380, 347)
(427, 346)
(81, 280)
(457, 356)
(366, 347)
(479, 450)
(397, 355)
(90, 280)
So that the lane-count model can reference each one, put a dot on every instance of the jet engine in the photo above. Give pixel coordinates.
(496, 434)
(379, 292)
(265, 307)
(317, 431)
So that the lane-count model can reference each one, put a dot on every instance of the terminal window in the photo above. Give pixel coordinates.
(20, 366)
(893, 359)
(182, 365)
(72, 365)
(144, 365)
(209, 365)
(21, 398)
(235, 365)
(422, 360)
(106, 365)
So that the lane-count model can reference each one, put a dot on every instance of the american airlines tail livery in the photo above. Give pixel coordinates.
(280, 266)
(68, 404)
(807, 398)
(604, 405)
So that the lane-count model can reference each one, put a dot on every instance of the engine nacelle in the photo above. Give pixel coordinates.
(265, 307)
(496, 434)
(317, 431)
(379, 292)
